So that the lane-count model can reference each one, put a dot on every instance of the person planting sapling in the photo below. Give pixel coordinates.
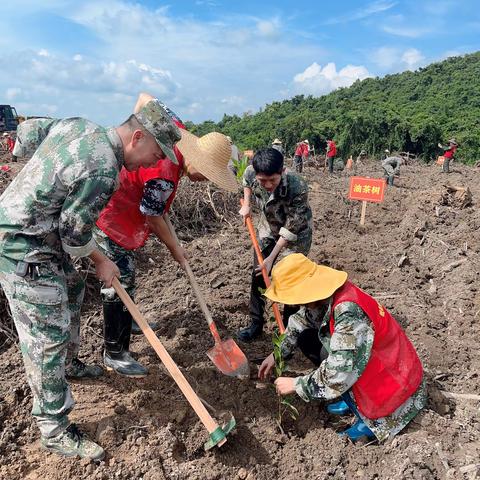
(364, 359)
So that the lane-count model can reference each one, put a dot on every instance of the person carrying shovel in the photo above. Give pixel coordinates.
(46, 215)
(285, 224)
(139, 208)
(362, 355)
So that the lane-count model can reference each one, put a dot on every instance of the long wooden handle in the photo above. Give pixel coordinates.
(266, 278)
(167, 360)
(195, 287)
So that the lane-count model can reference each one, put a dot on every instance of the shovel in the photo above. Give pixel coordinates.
(218, 434)
(266, 278)
(225, 354)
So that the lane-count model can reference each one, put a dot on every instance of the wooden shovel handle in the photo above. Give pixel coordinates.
(167, 360)
(195, 287)
(266, 278)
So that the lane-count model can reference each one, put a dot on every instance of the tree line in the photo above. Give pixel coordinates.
(409, 111)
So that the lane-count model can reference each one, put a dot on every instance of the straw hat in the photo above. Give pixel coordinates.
(277, 142)
(305, 141)
(296, 280)
(5, 134)
(453, 141)
(209, 155)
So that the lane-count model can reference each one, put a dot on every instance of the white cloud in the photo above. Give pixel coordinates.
(367, 11)
(12, 93)
(269, 28)
(396, 59)
(47, 84)
(316, 80)
(412, 58)
(401, 26)
(201, 68)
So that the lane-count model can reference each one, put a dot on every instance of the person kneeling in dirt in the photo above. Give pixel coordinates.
(391, 166)
(137, 209)
(285, 224)
(46, 216)
(363, 356)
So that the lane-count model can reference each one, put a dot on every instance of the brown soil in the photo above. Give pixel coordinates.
(418, 255)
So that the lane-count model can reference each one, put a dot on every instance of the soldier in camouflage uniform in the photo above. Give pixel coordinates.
(285, 224)
(47, 215)
(337, 335)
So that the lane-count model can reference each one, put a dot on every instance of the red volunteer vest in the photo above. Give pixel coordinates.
(450, 153)
(121, 219)
(394, 371)
(333, 149)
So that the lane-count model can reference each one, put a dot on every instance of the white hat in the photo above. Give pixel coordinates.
(305, 141)
(277, 142)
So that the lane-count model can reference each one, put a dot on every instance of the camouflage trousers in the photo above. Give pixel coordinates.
(125, 261)
(45, 306)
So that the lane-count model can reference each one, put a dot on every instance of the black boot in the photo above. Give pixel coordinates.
(253, 331)
(117, 324)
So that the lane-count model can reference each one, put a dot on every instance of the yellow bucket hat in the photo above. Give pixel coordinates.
(296, 280)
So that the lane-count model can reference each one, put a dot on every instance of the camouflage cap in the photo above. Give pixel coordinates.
(156, 121)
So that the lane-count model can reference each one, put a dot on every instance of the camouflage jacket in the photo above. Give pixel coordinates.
(53, 203)
(284, 213)
(30, 134)
(348, 354)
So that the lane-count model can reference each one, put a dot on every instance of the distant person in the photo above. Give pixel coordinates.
(386, 153)
(285, 224)
(235, 157)
(298, 157)
(306, 152)
(277, 145)
(331, 154)
(10, 142)
(448, 154)
(391, 166)
(364, 360)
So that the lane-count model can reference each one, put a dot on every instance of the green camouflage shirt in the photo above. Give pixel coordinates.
(30, 134)
(53, 203)
(348, 353)
(284, 213)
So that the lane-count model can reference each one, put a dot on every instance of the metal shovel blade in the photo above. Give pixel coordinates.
(229, 359)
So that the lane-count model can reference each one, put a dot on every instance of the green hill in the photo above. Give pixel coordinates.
(410, 111)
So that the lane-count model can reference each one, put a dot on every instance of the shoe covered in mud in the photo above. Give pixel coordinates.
(250, 333)
(72, 443)
(338, 408)
(137, 331)
(357, 431)
(124, 364)
(80, 371)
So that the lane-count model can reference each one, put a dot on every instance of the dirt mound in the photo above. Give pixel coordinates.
(148, 428)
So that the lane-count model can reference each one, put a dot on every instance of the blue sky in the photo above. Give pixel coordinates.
(205, 58)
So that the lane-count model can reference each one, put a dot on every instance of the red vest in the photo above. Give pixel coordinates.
(451, 152)
(121, 219)
(394, 371)
(332, 149)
